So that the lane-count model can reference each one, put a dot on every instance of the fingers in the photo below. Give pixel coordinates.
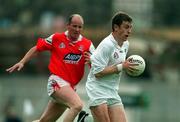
(87, 54)
(87, 57)
(133, 69)
(130, 66)
(87, 61)
(17, 67)
(20, 67)
(11, 69)
(8, 70)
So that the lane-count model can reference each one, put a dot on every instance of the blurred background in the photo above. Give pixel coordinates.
(152, 97)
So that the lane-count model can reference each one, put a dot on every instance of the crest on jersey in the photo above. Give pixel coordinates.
(81, 47)
(61, 45)
(121, 51)
(72, 58)
(125, 50)
(116, 56)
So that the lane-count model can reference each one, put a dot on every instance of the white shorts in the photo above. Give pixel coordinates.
(55, 83)
(100, 94)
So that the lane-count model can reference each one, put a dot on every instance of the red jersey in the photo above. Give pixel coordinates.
(67, 59)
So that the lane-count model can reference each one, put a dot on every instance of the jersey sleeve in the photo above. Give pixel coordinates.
(100, 58)
(44, 44)
(91, 48)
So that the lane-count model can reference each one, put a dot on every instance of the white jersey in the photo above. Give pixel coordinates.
(107, 53)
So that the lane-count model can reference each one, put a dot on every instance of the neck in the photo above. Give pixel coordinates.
(119, 41)
(72, 39)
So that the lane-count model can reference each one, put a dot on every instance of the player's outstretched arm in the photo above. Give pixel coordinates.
(18, 66)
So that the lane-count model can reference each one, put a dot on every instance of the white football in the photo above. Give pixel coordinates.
(136, 59)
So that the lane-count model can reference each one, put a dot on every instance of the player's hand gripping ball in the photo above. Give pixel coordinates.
(139, 68)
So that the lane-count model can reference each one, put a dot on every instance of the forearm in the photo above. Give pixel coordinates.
(114, 69)
(31, 53)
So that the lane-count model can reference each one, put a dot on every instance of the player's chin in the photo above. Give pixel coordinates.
(76, 37)
(76, 34)
(125, 38)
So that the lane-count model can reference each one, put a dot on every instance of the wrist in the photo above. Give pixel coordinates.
(22, 63)
(119, 67)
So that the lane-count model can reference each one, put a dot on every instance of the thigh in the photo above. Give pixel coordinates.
(117, 113)
(55, 83)
(100, 113)
(53, 111)
(66, 95)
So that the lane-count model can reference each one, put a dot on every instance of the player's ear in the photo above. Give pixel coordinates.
(116, 27)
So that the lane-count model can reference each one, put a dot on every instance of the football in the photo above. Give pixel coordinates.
(139, 69)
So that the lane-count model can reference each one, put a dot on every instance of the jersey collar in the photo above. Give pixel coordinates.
(115, 42)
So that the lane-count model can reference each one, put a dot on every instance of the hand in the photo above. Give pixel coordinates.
(87, 57)
(17, 67)
(129, 66)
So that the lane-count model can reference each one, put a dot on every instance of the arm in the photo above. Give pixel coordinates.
(87, 57)
(116, 69)
(113, 69)
(18, 66)
(88, 54)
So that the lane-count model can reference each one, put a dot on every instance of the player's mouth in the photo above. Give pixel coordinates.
(126, 36)
(76, 33)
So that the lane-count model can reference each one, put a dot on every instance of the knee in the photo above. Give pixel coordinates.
(36, 121)
(44, 119)
(78, 107)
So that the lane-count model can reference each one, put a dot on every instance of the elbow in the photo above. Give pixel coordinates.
(34, 51)
(98, 75)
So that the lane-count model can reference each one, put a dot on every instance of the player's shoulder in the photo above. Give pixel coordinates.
(58, 35)
(86, 39)
(107, 42)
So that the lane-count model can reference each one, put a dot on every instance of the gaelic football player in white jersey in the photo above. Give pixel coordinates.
(107, 63)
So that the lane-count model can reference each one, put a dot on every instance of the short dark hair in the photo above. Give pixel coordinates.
(119, 17)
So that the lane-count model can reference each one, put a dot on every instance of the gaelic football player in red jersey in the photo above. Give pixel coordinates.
(70, 51)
